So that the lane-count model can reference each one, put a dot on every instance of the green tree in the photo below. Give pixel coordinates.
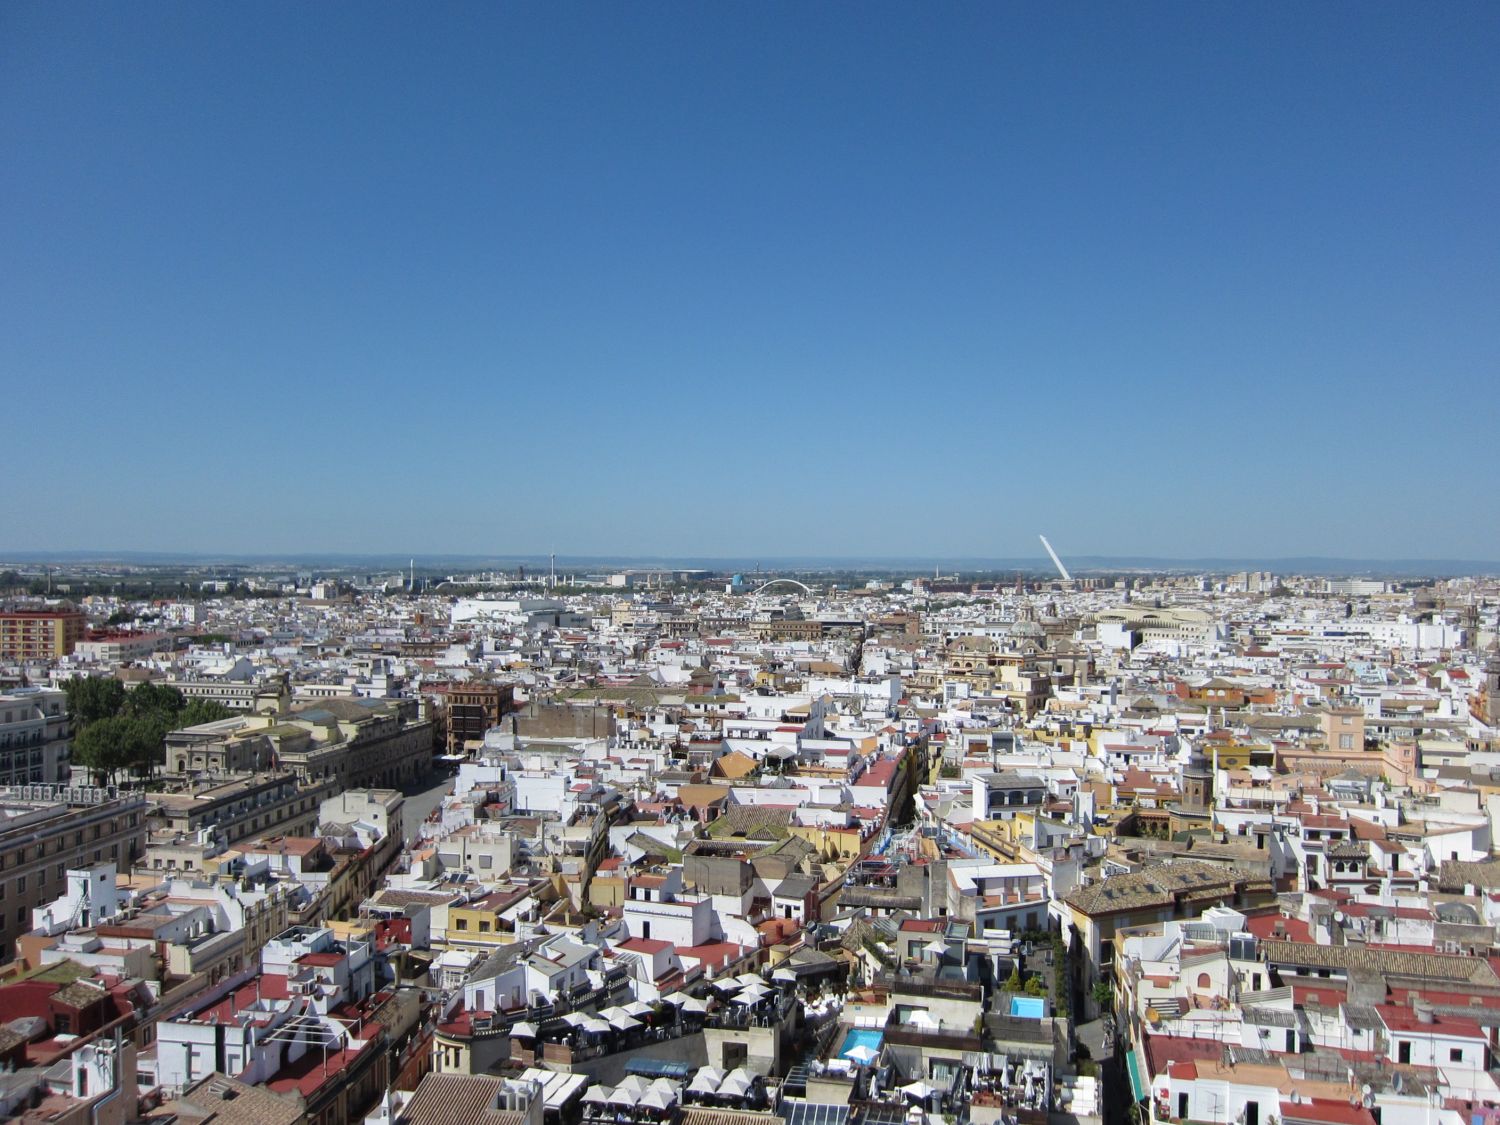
(145, 742)
(150, 699)
(197, 711)
(1104, 995)
(105, 746)
(93, 698)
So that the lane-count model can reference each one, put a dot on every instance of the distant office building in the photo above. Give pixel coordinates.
(40, 634)
(120, 648)
(1357, 587)
(474, 708)
(34, 736)
(46, 831)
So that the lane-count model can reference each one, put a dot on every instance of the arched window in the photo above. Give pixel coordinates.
(1205, 981)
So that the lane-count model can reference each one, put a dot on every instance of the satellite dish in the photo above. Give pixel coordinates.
(1396, 1082)
(1338, 916)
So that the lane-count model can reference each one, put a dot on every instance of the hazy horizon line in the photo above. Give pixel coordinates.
(1291, 564)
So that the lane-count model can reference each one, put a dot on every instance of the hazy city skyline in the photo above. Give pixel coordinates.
(752, 282)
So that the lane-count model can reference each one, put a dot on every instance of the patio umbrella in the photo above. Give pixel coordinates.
(937, 947)
(573, 1019)
(623, 1097)
(734, 1086)
(785, 975)
(862, 1054)
(746, 997)
(677, 999)
(624, 1021)
(729, 984)
(748, 979)
(640, 1008)
(920, 1018)
(657, 1099)
(693, 1004)
(597, 1095)
(595, 1026)
(635, 1084)
(666, 1085)
(919, 1090)
(524, 1030)
(703, 1083)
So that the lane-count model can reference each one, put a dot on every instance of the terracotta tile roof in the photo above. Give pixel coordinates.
(459, 1099)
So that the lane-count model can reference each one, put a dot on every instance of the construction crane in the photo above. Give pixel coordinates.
(1057, 562)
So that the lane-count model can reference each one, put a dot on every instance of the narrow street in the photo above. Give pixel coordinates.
(422, 796)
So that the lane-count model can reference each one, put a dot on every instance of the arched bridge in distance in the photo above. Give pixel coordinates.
(806, 589)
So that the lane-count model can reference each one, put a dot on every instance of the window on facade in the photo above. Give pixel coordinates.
(1456, 1054)
(461, 924)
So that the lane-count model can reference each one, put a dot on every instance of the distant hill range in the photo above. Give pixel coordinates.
(1085, 565)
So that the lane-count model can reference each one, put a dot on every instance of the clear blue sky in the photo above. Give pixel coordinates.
(752, 279)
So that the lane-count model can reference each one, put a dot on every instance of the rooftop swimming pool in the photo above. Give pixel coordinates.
(1028, 1007)
(861, 1037)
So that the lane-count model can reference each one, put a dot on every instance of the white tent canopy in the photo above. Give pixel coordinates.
(734, 1086)
(658, 1099)
(703, 1083)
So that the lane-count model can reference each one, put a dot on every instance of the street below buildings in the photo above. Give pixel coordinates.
(422, 796)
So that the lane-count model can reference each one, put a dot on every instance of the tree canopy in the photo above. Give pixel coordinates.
(91, 698)
(118, 729)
